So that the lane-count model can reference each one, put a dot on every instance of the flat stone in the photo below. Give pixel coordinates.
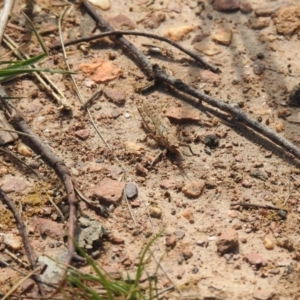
(115, 172)
(89, 231)
(131, 190)
(259, 23)
(246, 183)
(121, 22)
(100, 70)
(167, 184)
(83, 134)
(50, 228)
(53, 272)
(254, 259)
(267, 10)
(133, 148)
(198, 38)
(5, 136)
(154, 20)
(187, 254)
(116, 240)
(102, 4)
(115, 95)
(246, 7)
(287, 20)
(263, 294)
(115, 113)
(226, 5)
(183, 114)
(179, 33)
(12, 241)
(179, 234)
(14, 184)
(207, 48)
(227, 241)
(210, 77)
(171, 241)
(193, 188)
(95, 167)
(135, 204)
(295, 119)
(223, 36)
(109, 191)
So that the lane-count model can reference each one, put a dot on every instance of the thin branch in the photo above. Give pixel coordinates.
(128, 47)
(237, 114)
(245, 204)
(14, 288)
(22, 229)
(8, 6)
(52, 160)
(119, 33)
(22, 162)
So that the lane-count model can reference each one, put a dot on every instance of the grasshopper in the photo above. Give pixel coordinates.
(160, 128)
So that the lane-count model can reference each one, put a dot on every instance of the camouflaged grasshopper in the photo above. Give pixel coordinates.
(160, 128)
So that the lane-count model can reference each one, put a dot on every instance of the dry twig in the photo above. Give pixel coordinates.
(8, 6)
(119, 33)
(35, 143)
(128, 47)
(245, 204)
(22, 229)
(237, 114)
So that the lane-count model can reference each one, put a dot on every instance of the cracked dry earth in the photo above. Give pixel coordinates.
(212, 249)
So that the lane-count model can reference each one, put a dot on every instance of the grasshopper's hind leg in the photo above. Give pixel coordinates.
(188, 146)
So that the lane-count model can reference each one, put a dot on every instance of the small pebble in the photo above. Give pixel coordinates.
(188, 215)
(155, 212)
(74, 172)
(131, 190)
(258, 67)
(187, 254)
(171, 241)
(127, 115)
(282, 213)
(268, 243)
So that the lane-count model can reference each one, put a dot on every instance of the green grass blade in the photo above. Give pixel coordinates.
(6, 72)
(25, 63)
(37, 35)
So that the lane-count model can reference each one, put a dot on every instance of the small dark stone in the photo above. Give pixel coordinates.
(211, 140)
(131, 190)
(195, 270)
(260, 55)
(258, 67)
(294, 98)
(282, 213)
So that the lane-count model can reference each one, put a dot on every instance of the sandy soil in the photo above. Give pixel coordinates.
(193, 263)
